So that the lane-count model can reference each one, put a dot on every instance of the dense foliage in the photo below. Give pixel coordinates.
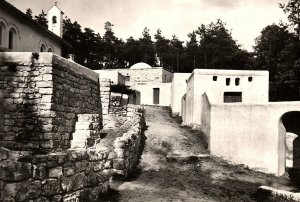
(277, 50)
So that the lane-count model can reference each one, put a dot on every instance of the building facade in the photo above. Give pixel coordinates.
(19, 33)
(152, 85)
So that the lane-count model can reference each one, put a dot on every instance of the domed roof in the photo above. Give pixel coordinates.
(141, 65)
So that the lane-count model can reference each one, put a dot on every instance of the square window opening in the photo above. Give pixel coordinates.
(230, 97)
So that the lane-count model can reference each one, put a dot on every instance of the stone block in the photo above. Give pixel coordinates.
(14, 171)
(119, 164)
(68, 171)
(39, 171)
(79, 166)
(51, 187)
(84, 126)
(22, 191)
(3, 153)
(55, 172)
(46, 91)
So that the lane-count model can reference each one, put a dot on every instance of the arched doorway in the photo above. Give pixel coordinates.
(291, 123)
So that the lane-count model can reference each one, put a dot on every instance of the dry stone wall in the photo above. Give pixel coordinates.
(42, 95)
(129, 147)
(46, 101)
(73, 175)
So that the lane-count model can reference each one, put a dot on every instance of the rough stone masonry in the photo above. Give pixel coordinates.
(50, 122)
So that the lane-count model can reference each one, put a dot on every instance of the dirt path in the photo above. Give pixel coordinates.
(193, 179)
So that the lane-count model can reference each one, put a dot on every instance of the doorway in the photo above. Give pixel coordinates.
(155, 95)
(291, 123)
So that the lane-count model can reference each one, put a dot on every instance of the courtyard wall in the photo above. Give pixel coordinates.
(249, 134)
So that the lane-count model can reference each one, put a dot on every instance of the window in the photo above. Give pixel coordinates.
(237, 81)
(165, 77)
(227, 81)
(215, 78)
(54, 20)
(232, 97)
(1, 35)
(10, 39)
(43, 48)
(127, 78)
(250, 78)
(50, 50)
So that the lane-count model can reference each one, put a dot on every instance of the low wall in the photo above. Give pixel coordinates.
(129, 148)
(251, 134)
(73, 175)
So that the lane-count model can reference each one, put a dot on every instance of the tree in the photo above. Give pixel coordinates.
(113, 54)
(176, 50)
(162, 48)
(130, 51)
(190, 53)
(278, 51)
(146, 48)
(292, 8)
(29, 13)
(218, 49)
(41, 19)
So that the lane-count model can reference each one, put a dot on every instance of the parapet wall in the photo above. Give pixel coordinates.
(42, 95)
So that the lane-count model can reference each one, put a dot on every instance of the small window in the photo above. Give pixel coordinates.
(54, 20)
(227, 81)
(127, 78)
(0, 35)
(10, 40)
(232, 97)
(215, 78)
(237, 81)
(165, 77)
(43, 48)
(50, 50)
(250, 78)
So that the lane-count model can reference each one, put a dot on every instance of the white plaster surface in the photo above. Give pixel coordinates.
(250, 134)
(114, 76)
(178, 89)
(201, 81)
(146, 93)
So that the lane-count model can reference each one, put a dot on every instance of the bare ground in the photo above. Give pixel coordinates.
(186, 179)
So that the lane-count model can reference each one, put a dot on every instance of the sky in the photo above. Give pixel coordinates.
(245, 18)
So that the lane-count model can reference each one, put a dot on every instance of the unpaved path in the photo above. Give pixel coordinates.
(194, 179)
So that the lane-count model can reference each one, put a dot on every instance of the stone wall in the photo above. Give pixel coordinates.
(73, 175)
(105, 99)
(47, 104)
(42, 95)
(129, 147)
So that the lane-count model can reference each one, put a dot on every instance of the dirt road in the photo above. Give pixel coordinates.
(185, 179)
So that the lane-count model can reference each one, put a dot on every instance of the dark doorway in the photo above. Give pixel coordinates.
(155, 95)
(291, 123)
(232, 97)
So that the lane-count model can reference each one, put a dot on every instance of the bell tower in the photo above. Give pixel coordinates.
(55, 20)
